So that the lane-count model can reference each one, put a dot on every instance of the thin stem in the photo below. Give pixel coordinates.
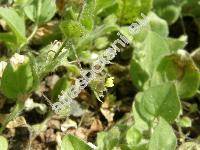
(33, 33)
(76, 55)
(29, 38)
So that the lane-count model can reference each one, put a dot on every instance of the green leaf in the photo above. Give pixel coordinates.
(163, 137)
(7, 37)
(17, 79)
(191, 8)
(72, 29)
(60, 85)
(15, 22)
(71, 142)
(101, 5)
(86, 41)
(185, 122)
(168, 9)
(147, 58)
(139, 123)
(155, 47)
(138, 75)
(111, 139)
(88, 13)
(164, 103)
(101, 42)
(154, 23)
(3, 143)
(181, 69)
(40, 11)
(133, 136)
(158, 25)
(130, 10)
(176, 44)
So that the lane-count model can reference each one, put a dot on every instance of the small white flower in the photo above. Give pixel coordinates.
(3, 65)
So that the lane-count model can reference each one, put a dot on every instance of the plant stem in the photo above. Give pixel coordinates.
(29, 38)
(33, 33)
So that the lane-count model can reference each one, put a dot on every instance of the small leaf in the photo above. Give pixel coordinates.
(185, 122)
(138, 75)
(176, 44)
(111, 139)
(129, 10)
(168, 9)
(158, 25)
(3, 143)
(71, 142)
(133, 136)
(163, 137)
(60, 85)
(72, 29)
(101, 42)
(17, 77)
(15, 22)
(103, 4)
(87, 14)
(164, 103)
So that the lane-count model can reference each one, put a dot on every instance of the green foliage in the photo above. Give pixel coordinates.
(163, 137)
(168, 9)
(185, 122)
(16, 24)
(3, 143)
(60, 85)
(133, 136)
(129, 10)
(191, 8)
(18, 79)
(116, 138)
(162, 71)
(71, 142)
(181, 69)
(72, 29)
(164, 103)
(87, 15)
(40, 11)
(149, 56)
